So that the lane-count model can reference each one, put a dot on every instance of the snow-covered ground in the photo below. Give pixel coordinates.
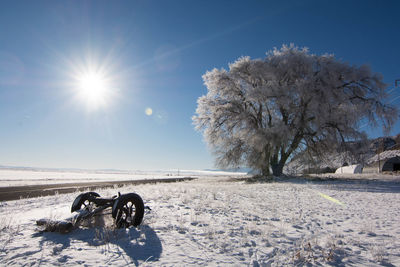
(35, 176)
(220, 222)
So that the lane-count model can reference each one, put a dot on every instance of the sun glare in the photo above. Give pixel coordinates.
(94, 88)
(93, 81)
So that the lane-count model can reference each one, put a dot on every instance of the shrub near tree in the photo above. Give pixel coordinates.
(261, 111)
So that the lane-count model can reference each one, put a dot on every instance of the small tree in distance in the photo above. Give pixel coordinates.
(262, 111)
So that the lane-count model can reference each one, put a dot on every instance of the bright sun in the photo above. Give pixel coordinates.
(93, 88)
(95, 85)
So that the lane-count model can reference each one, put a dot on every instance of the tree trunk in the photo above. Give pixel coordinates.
(277, 169)
(265, 170)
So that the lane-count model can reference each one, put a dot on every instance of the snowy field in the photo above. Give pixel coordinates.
(35, 176)
(218, 221)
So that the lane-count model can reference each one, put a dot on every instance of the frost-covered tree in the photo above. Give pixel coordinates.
(261, 111)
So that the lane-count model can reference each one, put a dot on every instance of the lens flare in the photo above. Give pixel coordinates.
(330, 198)
(148, 111)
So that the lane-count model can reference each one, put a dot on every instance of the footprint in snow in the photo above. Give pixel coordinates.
(64, 258)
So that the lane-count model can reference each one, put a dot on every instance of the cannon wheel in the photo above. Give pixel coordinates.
(83, 201)
(128, 210)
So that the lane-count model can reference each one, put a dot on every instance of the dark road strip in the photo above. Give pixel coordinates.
(29, 191)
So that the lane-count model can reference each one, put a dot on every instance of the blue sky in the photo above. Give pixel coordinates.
(153, 54)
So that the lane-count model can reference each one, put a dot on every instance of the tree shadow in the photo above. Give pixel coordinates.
(351, 184)
(370, 186)
(140, 245)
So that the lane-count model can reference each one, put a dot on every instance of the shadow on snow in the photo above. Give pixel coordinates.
(351, 184)
(140, 244)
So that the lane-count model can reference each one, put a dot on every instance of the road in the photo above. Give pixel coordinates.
(28, 191)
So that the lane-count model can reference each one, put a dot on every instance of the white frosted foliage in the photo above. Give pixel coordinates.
(261, 111)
